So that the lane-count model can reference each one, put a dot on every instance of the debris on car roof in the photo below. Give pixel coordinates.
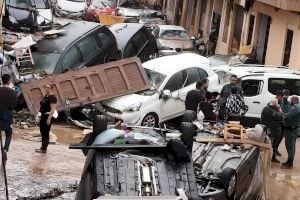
(90, 85)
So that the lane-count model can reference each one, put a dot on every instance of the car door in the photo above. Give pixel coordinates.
(192, 75)
(169, 107)
(254, 95)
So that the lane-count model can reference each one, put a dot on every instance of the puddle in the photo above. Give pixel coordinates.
(67, 135)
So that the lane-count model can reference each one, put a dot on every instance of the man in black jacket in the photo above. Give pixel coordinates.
(272, 118)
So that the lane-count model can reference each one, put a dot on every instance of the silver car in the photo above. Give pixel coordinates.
(172, 40)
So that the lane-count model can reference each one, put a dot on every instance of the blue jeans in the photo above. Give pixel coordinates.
(290, 143)
(6, 119)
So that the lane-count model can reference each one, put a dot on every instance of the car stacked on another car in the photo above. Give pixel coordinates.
(172, 78)
(134, 39)
(82, 44)
(172, 40)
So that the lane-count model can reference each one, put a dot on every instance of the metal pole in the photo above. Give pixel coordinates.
(4, 165)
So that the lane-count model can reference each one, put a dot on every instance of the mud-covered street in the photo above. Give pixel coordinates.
(41, 176)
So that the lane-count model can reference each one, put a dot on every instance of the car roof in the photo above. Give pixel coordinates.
(279, 74)
(174, 63)
(124, 32)
(74, 30)
(170, 27)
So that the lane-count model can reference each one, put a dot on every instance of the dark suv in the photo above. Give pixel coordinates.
(83, 44)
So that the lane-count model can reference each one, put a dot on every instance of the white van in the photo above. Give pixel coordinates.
(261, 83)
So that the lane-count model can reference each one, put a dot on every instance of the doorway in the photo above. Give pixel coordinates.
(238, 28)
(263, 37)
(288, 47)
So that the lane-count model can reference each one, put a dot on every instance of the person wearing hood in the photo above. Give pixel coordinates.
(271, 117)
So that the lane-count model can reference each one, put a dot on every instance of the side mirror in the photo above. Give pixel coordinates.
(166, 94)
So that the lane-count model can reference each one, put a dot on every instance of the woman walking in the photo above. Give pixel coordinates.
(47, 109)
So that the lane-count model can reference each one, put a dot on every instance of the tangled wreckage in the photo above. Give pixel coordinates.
(156, 163)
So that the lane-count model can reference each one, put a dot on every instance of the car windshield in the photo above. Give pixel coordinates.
(130, 4)
(45, 62)
(104, 3)
(218, 60)
(180, 34)
(155, 78)
(40, 4)
(77, 0)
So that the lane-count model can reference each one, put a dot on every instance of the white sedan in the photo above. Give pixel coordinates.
(172, 78)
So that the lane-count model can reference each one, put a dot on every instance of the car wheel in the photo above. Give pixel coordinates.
(150, 120)
(189, 116)
(100, 124)
(228, 180)
(187, 133)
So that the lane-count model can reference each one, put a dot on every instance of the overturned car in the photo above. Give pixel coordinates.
(141, 162)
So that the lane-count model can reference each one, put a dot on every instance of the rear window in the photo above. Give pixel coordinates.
(275, 84)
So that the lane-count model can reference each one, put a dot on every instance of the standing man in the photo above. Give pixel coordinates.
(226, 92)
(194, 97)
(8, 101)
(285, 108)
(272, 119)
(279, 98)
(292, 121)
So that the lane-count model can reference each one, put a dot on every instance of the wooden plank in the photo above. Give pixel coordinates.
(115, 78)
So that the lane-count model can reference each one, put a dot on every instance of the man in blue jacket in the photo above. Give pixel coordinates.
(292, 122)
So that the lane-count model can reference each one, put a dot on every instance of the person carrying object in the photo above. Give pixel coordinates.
(47, 112)
(8, 102)
(271, 117)
(292, 123)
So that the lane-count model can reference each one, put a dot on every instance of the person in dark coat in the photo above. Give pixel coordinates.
(292, 122)
(8, 102)
(271, 117)
(194, 97)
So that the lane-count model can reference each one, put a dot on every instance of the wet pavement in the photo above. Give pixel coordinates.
(56, 174)
(38, 176)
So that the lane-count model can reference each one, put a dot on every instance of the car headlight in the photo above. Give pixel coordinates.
(12, 19)
(133, 108)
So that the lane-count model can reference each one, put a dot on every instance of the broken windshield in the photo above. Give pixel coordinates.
(180, 34)
(40, 4)
(155, 78)
(18, 3)
(45, 62)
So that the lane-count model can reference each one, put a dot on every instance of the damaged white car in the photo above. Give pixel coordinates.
(172, 78)
(70, 8)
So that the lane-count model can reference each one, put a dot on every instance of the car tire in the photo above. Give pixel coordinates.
(187, 134)
(150, 120)
(99, 125)
(189, 116)
(228, 180)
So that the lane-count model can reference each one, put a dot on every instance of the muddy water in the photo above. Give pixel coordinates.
(67, 135)
(38, 176)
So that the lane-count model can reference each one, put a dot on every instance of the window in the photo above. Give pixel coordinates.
(139, 41)
(104, 40)
(130, 50)
(202, 73)
(156, 32)
(175, 82)
(192, 76)
(88, 47)
(251, 87)
(250, 31)
(71, 59)
(293, 85)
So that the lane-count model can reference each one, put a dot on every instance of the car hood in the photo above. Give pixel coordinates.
(45, 16)
(172, 43)
(123, 102)
(130, 12)
(71, 6)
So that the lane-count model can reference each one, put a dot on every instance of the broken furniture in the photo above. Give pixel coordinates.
(24, 61)
(233, 130)
(90, 85)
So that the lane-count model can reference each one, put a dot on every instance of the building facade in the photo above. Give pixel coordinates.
(272, 28)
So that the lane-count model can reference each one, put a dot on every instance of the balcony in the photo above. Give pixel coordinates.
(289, 5)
